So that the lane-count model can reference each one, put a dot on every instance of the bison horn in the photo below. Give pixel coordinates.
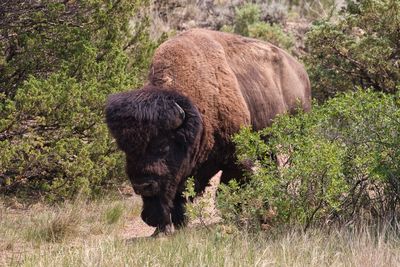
(181, 113)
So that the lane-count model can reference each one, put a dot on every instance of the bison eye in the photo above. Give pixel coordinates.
(159, 149)
(164, 149)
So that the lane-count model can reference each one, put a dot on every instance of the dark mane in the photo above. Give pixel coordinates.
(138, 116)
(147, 105)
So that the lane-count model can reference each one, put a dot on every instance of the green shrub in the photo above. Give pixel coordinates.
(244, 16)
(198, 210)
(271, 33)
(52, 133)
(248, 23)
(338, 164)
(360, 48)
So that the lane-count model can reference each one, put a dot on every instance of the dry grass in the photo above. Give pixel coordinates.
(100, 234)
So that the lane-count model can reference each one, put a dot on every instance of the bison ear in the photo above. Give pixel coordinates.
(179, 117)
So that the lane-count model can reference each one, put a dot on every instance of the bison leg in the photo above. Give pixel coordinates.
(232, 171)
(163, 230)
(152, 210)
(178, 212)
(165, 226)
(159, 214)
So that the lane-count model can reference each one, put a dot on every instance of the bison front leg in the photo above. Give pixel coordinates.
(157, 213)
(165, 227)
(162, 230)
(178, 212)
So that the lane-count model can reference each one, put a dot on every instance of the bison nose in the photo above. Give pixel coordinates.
(146, 189)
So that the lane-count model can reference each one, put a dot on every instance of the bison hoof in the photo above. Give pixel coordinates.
(162, 231)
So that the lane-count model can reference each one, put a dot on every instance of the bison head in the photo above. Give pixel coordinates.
(159, 131)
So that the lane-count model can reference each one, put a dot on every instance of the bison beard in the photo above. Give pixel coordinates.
(203, 86)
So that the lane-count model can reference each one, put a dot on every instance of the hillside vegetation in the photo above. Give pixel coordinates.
(333, 199)
(58, 63)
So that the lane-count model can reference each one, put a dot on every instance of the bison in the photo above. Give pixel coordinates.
(202, 87)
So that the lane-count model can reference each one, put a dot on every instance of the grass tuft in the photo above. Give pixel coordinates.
(54, 226)
(114, 213)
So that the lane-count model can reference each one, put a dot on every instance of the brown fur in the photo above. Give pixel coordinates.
(223, 81)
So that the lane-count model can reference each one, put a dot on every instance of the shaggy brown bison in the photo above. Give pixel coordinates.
(202, 87)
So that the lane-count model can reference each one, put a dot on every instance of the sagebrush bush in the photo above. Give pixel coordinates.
(53, 138)
(271, 33)
(247, 22)
(359, 48)
(338, 164)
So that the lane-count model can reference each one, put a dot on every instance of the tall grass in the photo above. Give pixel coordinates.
(94, 234)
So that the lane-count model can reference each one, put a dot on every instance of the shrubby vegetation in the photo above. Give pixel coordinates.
(359, 48)
(59, 62)
(248, 22)
(338, 164)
